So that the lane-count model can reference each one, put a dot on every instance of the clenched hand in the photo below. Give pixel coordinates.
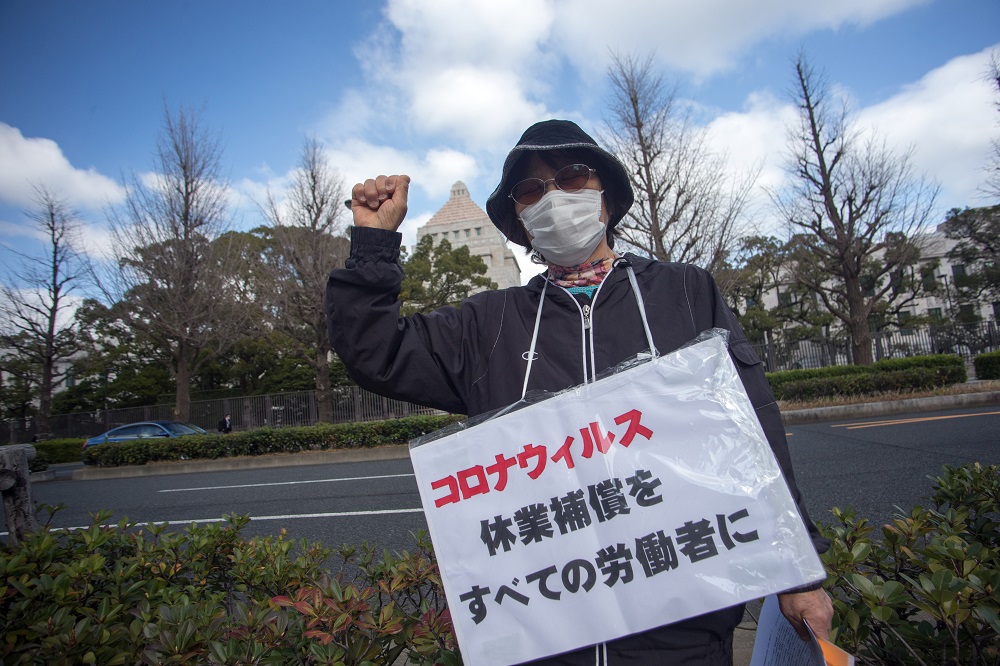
(380, 202)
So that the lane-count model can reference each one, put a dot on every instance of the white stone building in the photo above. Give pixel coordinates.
(464, 223)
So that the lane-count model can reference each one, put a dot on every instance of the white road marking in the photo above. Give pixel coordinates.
(284, 483)
(339, 514)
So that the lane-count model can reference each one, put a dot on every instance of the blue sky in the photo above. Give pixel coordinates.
(441, 89)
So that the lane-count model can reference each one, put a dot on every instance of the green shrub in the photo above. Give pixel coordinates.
(928, 591)
(60, 450)
(988, 365)
(778, 379)
(913, 373)
(124, 594)
(928, 361)
(869, 383)
(265, 441)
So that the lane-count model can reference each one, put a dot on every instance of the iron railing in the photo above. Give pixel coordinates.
(965, 340)
(350, 404)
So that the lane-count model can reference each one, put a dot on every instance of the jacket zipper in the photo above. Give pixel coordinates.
(586, 311)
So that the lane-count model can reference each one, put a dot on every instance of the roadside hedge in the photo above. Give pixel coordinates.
(926, 591)
(59, 450)
(988, 365)
(264, 441)
(916, 373)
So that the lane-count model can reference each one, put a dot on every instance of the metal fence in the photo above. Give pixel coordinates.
(350, 404)
(965, 340)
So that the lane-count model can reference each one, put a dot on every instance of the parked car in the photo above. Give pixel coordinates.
(145, 430)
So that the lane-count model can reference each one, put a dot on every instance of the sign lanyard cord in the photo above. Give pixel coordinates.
(642, 310)
(534, 339)
(538, 321)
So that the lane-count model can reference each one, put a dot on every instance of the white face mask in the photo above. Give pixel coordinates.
(565, 227)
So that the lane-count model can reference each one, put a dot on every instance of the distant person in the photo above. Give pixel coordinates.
(226, 425)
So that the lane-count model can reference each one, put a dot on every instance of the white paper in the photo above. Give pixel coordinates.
(696, 463)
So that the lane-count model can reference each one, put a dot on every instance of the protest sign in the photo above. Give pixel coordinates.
(641, 499)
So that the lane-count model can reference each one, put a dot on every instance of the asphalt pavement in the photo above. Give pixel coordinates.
(791, 417)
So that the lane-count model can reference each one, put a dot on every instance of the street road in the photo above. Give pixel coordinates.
(872, 464)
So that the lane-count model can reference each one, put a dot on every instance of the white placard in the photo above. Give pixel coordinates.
(644, 498)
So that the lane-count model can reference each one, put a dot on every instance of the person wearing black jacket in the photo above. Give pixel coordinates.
(560, 195)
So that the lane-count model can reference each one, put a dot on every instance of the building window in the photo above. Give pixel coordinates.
(784, 298)
(928, 278)
(934, 313)
(904, 318)
(479, 231)
(958, 271)
(967, 313)
(468, 232)
(996, 310)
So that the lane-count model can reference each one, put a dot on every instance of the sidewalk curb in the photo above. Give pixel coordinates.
(401, 451)
(866, 409)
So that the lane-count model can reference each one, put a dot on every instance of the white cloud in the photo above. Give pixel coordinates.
(98, 243)
(27, 162)
(466, 72)
(434, 172)
(432, 175)
(699, 37)
(751, 139)
(755, 136)
(23, 229)
(483, 106)
(949, 119)
(410, 226)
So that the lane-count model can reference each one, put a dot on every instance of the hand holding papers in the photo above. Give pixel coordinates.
(777, 644)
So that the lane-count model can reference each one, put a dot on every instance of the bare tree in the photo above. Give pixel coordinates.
(856, 207)
(38, 328)
(307, 233)
(688, 208)
(179, 280)
(992, 186)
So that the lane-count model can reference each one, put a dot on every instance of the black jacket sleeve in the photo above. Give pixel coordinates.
(422, 359)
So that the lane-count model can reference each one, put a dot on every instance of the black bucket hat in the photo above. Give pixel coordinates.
(559, 135)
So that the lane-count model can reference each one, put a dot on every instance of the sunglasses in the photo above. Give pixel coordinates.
(572, 178)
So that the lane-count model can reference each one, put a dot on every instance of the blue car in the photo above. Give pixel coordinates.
(145, 430)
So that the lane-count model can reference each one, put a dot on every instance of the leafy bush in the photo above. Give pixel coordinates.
(867, 383)
(928, 361)
(928, 591)
(60, 450)
(914, 373)
(263, 441)
(988, 365)
(122, 594)
(778, 379)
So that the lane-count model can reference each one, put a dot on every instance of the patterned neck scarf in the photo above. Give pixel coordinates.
(583, 275)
